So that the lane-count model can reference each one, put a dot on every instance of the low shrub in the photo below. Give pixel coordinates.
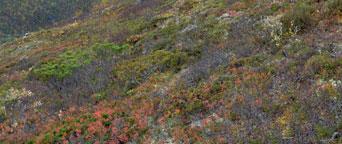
(136, 70)
(99, 96)
(63, 65)
(323, 132)
(333, 7)
(105, 50)
(300, 17)
(10, 91)
(323, 66)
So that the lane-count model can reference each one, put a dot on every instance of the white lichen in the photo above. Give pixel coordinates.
(13, 93)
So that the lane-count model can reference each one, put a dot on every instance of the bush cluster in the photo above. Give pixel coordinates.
(334, 7)
(20, 16)
(104, 50)
(136, 70)
(300, 17)
(63, 65)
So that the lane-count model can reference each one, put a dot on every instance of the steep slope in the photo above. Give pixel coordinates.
(22, 16)
(178, 71)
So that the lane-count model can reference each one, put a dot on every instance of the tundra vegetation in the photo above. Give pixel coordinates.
(171, 71)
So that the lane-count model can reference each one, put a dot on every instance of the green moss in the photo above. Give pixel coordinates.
(63, 65)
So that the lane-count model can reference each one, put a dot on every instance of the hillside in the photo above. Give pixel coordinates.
(22, 16)
(173, 71)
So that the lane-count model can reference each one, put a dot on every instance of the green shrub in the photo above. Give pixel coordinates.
(105, 50)
(274, 8)
(67, 62)
(105, 116)
(63, 65)
(253, 61)
(194, 106)
(136, 70)
(300, 17)
(324, 66)
(214, 29)
(100, 96)
(47, 138)
(323, 132)
(333, 7)
(107, 123)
